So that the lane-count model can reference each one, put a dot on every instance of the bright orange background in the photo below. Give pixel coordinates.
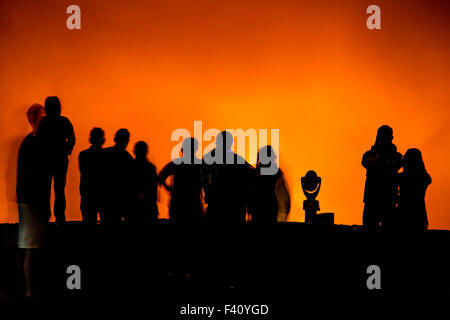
(312, 70)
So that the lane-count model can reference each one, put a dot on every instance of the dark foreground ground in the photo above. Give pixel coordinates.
(292, 268)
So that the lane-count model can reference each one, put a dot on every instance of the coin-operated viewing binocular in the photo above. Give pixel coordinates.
(311, 184)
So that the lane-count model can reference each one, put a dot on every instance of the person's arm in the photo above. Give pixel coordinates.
(21, 157)
(164, 174)
(154, 187)
(398, 161)
(70, 142)
(368, 160)
(81, 164)
(427, 179)
(283, 198)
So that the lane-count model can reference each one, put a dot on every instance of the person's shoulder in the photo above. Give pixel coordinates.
(151, 166)
(43, 123)
(241, 160)
(208, 157)
(65, 122)
(64, 119)
(28, 140)
(369, 152)
(172, 164)
(108, 151)
(428, 178)
(280, 173)
(83, 153)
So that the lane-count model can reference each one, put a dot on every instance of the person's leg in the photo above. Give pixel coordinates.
(95, 212)
(369, 217)
(27, 271)
(46, 193)
(101, 213)
(60, 175)
(20, 262)
(84, 209)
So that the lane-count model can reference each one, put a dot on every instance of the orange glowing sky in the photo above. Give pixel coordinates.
(309, 68)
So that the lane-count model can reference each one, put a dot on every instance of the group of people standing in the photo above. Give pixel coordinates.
(394, 200)
(123, 189)
(120, 188)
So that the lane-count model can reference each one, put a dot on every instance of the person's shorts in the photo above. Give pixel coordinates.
(32, 226)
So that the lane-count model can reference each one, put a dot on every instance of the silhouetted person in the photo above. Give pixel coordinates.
(91, 164)
(413, 181)
(118, 179)
(270, 196)
(31, 196)
(58, 139)
(145, 187)
(226, 182)
(186, 194)
(382, 162)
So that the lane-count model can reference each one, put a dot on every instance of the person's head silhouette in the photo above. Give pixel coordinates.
(412, 161)
(97, 137)
(385, 135)
(189, 149)
(266, 156)
(122, 138)
(52, 107)
(224, 141)
(141, 150)
(266, 161)
(34, 115)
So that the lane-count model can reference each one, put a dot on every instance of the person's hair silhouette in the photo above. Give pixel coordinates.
(224, 140)
(34, 115)
(385, 135)
(57, 137)
(97, 137)
(52, 107)
(91, 165)
(189, 148)
(382, 162)
(141, 149)
(414, 181)
(266, 156)
(122, 138)
(413, 161)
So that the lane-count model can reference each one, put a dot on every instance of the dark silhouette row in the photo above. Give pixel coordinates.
(119, 188)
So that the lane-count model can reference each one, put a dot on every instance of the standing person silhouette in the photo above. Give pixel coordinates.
(226, 182)
(186, 196)
(270, 200)
(91, 163)
(31, 197)
(145, 188)
(118, 179)
(413, 181)
(382, 162)
(58, 139)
